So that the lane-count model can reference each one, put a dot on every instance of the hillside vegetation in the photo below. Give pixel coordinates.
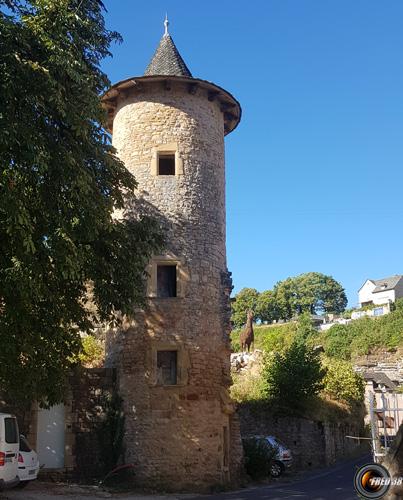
(344, 342)
(293, 377)
(364, 335)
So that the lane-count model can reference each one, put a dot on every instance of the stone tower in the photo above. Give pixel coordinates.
(173, 361)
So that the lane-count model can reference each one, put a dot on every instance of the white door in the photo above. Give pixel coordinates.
(50, 437)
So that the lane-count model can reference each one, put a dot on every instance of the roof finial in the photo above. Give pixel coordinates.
(166, 23)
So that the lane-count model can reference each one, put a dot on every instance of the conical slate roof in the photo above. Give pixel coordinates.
(167, 60)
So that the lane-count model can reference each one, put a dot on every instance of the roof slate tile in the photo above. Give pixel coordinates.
(167, 60)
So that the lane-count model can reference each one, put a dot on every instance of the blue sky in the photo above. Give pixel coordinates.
(314, 170)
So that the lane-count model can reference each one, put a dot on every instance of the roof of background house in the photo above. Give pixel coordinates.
(386, 283)
(166, 59)
(379, 378)
(390, 283)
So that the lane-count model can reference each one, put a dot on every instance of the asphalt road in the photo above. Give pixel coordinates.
(335, 483)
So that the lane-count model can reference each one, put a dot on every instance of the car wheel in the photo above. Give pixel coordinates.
(276, 469)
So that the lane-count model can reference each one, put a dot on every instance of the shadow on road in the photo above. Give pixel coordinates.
(334, 483)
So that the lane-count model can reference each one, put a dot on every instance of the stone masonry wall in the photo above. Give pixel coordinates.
(177, 435)
(312, 443)
(90, 391)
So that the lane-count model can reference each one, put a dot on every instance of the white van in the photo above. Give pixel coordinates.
(9, 446)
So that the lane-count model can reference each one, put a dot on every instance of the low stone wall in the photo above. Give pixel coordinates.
(312, 443)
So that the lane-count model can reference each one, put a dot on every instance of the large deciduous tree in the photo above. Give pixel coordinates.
(60, 183)
(267, 307)
(310, 292)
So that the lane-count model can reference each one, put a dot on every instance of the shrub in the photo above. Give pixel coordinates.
(277, 338)
(338, 341)
(111, 432)
(258, 456)
(342, 383)
(293, 376)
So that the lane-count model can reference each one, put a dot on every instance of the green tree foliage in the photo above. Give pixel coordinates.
(267, 309)
(244, 300)
(310, 292)
(92, 352)
(293, 376)
(59, 185)
(284, 293)
(342, 383)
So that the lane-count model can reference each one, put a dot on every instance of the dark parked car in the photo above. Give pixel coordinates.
(268, 448)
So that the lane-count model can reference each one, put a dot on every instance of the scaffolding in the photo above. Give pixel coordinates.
(386, 415)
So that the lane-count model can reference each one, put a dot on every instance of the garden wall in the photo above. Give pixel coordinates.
(312, 443)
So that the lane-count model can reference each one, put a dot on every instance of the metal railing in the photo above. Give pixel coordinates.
(386, 415)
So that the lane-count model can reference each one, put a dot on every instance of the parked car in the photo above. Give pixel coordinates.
(28, 463)
(9, 447)
(280, 456)
(282, 459)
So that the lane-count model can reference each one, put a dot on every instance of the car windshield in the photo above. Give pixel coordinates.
(24, 445)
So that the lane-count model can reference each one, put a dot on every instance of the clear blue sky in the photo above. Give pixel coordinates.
(314, 170)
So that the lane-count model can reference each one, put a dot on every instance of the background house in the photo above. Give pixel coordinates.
(382, 291)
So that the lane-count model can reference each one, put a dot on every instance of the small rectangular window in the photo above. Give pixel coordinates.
(11, 430)
(167, 367)
(166, 280)
(166, 164)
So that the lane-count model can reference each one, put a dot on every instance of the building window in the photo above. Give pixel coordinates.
(166, 164)
(167, 367)
(166, 160)
(166, 280)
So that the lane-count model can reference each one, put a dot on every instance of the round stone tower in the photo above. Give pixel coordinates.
(173, 360)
